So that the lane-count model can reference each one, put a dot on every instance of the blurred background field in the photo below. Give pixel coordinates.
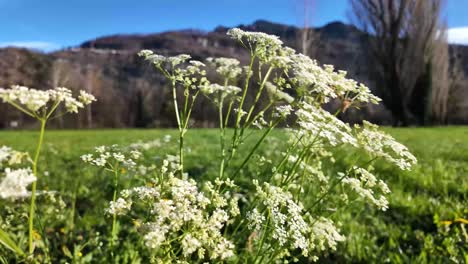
(423, 223)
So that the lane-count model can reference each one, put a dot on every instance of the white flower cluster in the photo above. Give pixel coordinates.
(219, 90)
(324, 235)
(160, 61)
(290, 226)
(181, 217)
(383, 145)
(192, 76)
(227, 67)
(34, 101)
(110, 156)
(260, 44)
(227, 199)
(259, 38)
(320, 124)
(171, 165)
(14, 184)
(366, 185)
(119, 207)
(12, 157)
(325, 83)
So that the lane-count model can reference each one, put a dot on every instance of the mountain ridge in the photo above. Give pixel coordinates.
(109, 67)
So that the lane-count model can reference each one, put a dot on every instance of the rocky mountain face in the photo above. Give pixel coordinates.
(132, 94)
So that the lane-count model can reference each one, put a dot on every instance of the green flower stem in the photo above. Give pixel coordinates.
(247, 121)
(114, 216)
(228, 114)
(352, 169)
(241, 104)
(181, 152)
(22, 109)
(52, 110)
(222, 129)
(257, 97)
(189, 112)
(259, 142)
(262, 241)
(250, 122)
(300, 158)
(179, 125)
(221, 138)
(32, 207)
(287, 154)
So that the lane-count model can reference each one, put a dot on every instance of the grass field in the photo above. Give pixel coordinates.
(425, 221)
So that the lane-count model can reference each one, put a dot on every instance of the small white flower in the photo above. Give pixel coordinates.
(119, 207)
(135, 154)
(118, 157)
(86, 98)
(87, 158)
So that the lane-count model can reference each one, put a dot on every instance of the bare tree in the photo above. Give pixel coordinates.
(60, 76)
(407, 47)
(442, 80)
(308, 38)
(457, 105)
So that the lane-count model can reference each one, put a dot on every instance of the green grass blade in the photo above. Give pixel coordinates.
(9, 243)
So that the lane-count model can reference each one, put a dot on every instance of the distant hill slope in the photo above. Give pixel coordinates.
(110, 68)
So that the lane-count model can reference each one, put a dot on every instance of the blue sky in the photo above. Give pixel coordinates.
(53, 24)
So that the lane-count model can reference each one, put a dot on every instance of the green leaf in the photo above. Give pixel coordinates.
(66, 251)
(9, 243)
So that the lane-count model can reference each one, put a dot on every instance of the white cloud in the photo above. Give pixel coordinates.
(458, 35)
(34, 45)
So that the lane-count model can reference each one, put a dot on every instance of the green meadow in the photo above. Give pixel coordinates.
(426, 220)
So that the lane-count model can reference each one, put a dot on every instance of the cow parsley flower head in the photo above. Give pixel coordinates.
(14, 184)
(180, 213)
(111, 156)
(291, 227)
(324, 235)
(41, 104)
(31, 99)
(181, 71)
(220, 92)
(161, 61)
(262, 45)
(368, 187)
(227, 67)
(326, 83)
(5, 153)
(258, 38)
(12, 157)
(119, 207)
(311, 78)
(320, 124)
(86, 98)
(380, 144)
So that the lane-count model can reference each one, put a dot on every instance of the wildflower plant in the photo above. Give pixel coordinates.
(267, 200)
(40, 105)
(113, 160)
(282, 216)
